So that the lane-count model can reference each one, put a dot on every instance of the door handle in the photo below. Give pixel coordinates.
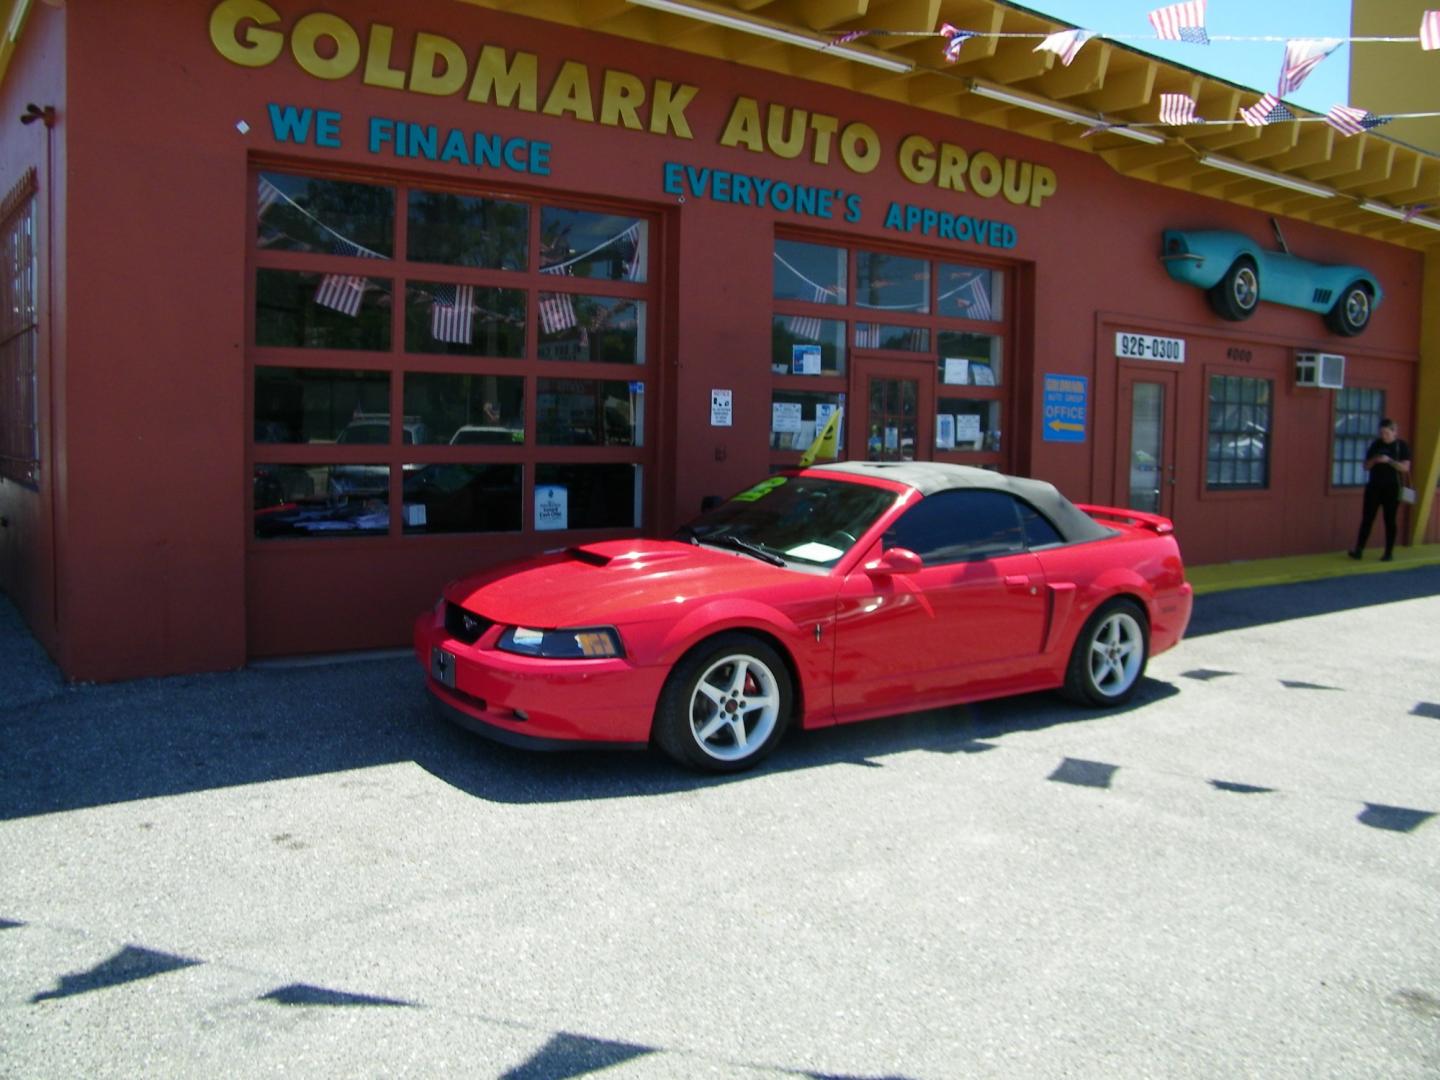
(1019, 583)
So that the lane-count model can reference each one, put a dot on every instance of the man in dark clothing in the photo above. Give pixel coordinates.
(1388, 460)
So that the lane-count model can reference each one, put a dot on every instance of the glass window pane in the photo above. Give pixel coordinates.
(594, 496)
(956, 525)
(297, 309)
(326, 501)
(969, 292)
(966, 424)
(590, 412)
(970, 359)
(796, 416)
(578, 243)
(891, 282)
(331, 217)
(468, 410)
(810, 272)
(310, 405)
(598, 329)
(454, 498)
(461, 230)
(464, 320)
(901, 338)
(793, 339)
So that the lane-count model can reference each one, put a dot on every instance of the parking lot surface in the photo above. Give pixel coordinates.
(299, 871)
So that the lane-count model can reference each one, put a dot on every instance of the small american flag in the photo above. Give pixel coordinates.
(1181, 22)
(269, 195)
(1268, 110)
(954, 40)
(975, 295)
(1430, 30)
(451, 313)
(808, 327)
(1065, 44)
(1301, 58)
(1178, 109)
(557, 312)
(344, 292)
(1352, 121)
(867, 335)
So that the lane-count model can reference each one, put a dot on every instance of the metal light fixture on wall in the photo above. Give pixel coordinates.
(1254, 172)
(747, 25)
(1061, 112)
(1386, 210)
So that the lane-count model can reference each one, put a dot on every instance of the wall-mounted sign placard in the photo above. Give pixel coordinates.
(721, 408)
(1132, 346)
(1066, 405)
(552, 507)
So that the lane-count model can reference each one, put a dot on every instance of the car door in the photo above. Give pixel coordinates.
(971, 618)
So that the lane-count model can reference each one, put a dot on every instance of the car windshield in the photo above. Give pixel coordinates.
(803, 520)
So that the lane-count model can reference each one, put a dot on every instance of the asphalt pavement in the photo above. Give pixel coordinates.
(300, 871)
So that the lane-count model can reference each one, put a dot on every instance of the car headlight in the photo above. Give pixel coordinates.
(589, 643)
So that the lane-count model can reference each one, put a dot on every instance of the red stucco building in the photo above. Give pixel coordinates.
(315, 306)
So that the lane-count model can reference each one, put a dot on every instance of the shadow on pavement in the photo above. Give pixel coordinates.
(90, 746)
(1220, 611)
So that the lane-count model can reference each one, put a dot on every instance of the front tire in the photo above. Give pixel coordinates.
(1236, 295)
(1351, 313)
(1109, 656)
(725, 704)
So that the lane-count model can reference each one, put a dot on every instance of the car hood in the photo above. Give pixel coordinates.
(601, 583)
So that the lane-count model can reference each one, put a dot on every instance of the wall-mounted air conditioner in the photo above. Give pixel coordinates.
(1326, 370)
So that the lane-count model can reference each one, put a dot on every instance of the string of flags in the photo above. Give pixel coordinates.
(452, 307)
(1185, 22)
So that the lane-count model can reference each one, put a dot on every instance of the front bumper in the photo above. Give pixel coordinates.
(535, 702)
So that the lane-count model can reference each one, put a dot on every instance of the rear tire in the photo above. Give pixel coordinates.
(1351, 313)
(725, 705)
(1110, 654)
(1236, 295)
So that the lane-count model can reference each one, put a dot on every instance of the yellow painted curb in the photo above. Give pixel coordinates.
(1218, 577)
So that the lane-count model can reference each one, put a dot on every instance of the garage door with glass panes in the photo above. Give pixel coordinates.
(432, 362)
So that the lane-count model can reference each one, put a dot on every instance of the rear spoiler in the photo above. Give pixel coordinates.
(1154, 522)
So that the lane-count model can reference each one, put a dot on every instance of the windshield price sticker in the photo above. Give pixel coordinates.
(1145, 347)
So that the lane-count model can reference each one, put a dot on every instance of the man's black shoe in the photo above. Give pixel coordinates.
(1354, 553)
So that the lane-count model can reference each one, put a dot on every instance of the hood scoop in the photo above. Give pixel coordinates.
(588, 556)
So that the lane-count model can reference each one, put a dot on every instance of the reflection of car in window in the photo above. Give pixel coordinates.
(485, 435)
(1237, 274)
(373, 429)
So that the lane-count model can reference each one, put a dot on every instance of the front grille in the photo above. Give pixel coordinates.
(464, 625)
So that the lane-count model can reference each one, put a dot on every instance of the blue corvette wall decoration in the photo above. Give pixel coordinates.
(1237, 274)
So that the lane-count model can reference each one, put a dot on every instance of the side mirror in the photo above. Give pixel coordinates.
(895, 561)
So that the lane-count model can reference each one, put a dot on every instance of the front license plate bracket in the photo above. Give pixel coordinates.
(442, 666)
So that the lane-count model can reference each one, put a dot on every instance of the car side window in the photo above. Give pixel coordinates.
(1038, 530)
(955, 526)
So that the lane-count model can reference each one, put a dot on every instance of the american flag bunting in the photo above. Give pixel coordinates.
(1349, 120)
(1181, 22)
(954, 39)
(975, 295)
(1178, 109)
(1065, 44)
(1430, 30)
(557, 312)
(452, 313)
(1268, 110)
(1301, 58)
(269, 195)
(344, 292)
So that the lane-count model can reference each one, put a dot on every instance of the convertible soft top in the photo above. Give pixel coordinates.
(929, 477)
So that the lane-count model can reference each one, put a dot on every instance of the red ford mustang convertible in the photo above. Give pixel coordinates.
(817, 597)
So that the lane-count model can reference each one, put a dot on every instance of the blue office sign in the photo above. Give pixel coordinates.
(1067, 401)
